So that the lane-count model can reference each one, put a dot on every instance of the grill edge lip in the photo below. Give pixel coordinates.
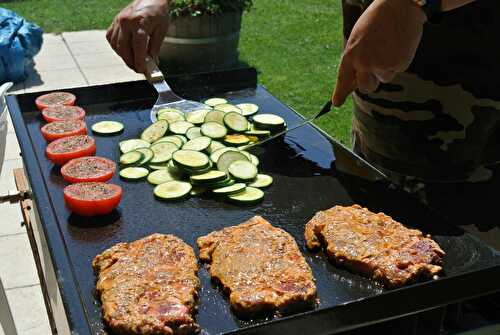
(338, 318)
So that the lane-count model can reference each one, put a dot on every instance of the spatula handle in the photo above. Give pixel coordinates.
(153, 73)
(327, 108)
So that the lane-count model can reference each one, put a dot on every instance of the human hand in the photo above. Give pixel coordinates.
(138, 30)
(382, 43)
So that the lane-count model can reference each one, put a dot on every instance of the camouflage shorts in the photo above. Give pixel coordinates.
(440, 120)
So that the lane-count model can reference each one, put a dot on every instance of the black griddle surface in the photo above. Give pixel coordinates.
(303, 166)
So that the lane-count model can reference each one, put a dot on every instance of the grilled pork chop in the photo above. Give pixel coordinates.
(148, 286)
(374, 245)
(261, 268)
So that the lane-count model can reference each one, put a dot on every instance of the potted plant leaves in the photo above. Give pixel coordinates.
(202, 35)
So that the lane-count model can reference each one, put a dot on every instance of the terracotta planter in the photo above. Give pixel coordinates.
(202, 43)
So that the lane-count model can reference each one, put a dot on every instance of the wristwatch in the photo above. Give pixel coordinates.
(430, 7)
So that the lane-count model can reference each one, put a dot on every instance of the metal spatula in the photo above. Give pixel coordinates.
(326, 108)
(166, 97)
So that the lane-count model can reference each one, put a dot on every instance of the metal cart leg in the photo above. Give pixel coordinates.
(6, 320)
(22, 187)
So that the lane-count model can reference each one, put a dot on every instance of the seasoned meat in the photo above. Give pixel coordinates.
(148, 286)
(374, 245)
(260, 267)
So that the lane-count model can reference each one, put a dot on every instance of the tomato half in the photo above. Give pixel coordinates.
(64, 149)
(59, 129)
(92, 198)
(63, 113)
(85, 169)
(55, 99)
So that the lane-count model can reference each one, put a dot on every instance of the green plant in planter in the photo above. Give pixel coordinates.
(210, 7)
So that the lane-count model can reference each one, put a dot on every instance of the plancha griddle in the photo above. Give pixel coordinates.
(311, 172)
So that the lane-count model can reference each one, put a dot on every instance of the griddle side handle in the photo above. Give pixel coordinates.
(26, 206)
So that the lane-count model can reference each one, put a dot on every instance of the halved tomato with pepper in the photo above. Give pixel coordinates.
(55, 99)
(85, 169)
(92, 198)
(63, 113)
(64, 149)
(59, 129)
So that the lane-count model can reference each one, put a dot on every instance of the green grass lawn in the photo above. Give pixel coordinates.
(295, 45)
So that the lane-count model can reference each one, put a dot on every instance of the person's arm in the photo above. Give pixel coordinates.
(382, 43)
(138, 30)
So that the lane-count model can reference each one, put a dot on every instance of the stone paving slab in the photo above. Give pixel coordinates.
(28, 308)
(75, 59)
(17, 267)
(84, 36)
(12, 220)
(6, 176)
(54, 80)
(66, 60)
(12, 151)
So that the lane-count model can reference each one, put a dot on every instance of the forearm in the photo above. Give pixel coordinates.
(452, 4)
(142, 4)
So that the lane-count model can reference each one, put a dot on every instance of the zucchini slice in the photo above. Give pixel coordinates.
(155, 131)
(172, 190)
(107, 127)
(161, 166)
(226, 108)
(221, 183)
(148, 155)
(171, 138)
(182, 138)
(252, 158)
(163, 152)
(173, 169)
(192, 172)
(134, 173)
(215, 101)
(197, 116)
(248, 109)
(270, 122)
(209, 177)
(198, 190)
(258, 133)
(215, 116)
(261, 181)
(242, 170)
(168, 110)
(180, 127)
(232, 189)
(191, 159)
(132, 144)
(214, 145)
(229, 157)
(193, 132)
(171, 115)
(213, 130)
(214, 157)
(236, 122)
(161, 176)
(131, 157)
(236, 140)
(197, 144)
(249, 196)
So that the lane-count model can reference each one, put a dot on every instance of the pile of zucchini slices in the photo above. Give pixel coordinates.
(200, 151)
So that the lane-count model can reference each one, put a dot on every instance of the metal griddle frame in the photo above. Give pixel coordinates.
(69, 314)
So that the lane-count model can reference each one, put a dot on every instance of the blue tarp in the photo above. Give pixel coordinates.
(20, 41)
